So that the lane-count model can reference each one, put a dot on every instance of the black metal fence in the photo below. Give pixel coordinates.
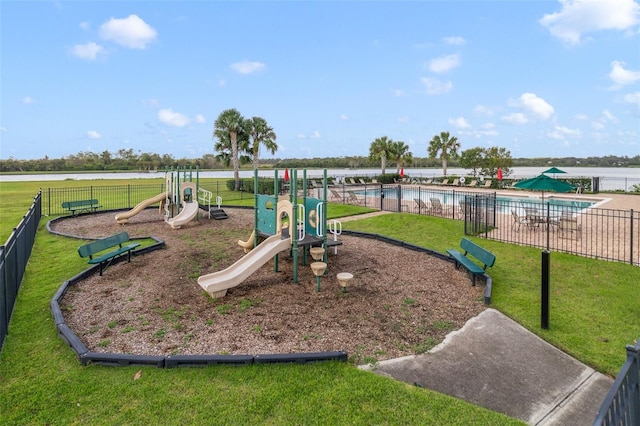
(14, 256)
(563, 223)
(114, 197)
(621, 406)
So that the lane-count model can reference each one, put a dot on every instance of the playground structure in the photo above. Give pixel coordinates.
(281, 223)
(178, 202)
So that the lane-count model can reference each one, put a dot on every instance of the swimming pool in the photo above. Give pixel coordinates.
(504, 202)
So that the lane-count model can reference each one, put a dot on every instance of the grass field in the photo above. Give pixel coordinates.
(595, 312)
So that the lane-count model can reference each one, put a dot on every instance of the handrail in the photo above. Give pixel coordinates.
(319, 221)
(335, 228)
(301, 222)
(204, 198)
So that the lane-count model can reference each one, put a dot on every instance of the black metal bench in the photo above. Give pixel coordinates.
(470, 248)
(81, 205)
(94, 250)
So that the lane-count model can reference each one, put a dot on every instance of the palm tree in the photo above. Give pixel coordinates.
(445, 145)
(261, 134)
(381, 149)
(401, 154)
(231, 122)
(223, 148)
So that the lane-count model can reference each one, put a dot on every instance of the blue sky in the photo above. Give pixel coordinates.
(540, 78)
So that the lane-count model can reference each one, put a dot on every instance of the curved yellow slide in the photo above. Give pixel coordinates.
(217, 283)
(123, 218)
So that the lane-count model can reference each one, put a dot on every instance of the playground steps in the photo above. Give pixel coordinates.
(218, 214)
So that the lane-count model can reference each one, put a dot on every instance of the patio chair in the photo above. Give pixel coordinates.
(455, 182)
(438, 208)
(569, 225)
(335, 196)
(519, 221)
(421, 207)
(352, 182)
(362, 181)
(473, 183)
(487, 184)
(374, 181)
(427, 182)
(352, 198)
(444, 182)
(534, 216)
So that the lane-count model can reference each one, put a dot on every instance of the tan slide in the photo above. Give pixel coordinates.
(123, 218)
(217, 283)
(187, 214)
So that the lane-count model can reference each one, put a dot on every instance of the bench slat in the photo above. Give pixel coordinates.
(98, 247)
(111, 254)
(469, 264)
(484, 256)
(80, 205)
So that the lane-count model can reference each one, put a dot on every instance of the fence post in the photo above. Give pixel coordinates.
(634, 383)
(631, 237)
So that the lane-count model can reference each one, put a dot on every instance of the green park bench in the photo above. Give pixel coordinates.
(472, 249)
(95, 250)
(81, 205)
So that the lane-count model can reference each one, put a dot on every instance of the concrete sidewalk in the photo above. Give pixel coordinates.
(495, 363)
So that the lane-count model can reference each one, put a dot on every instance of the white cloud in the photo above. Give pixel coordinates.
(28, 100)
(607, 116)
(621, 76)
(515, 118)
(398, 93)
(633, 98)
(170, 118)
(433, 86)
(562, 133)
(484, 110)
(581, 117)
(486, 130)
(344, 117)
(314, 135)
(403, 119)
(200, 119)
(455, 40)
(85, 26)
(247, 67)
(92, 134)
(3, 129)
(533, 105)
(131, 32)
(582, 17)
(459, 122)
(444, 63)
(88, 51)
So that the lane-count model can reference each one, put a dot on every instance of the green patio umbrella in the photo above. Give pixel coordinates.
(544, 183)
(554, 171)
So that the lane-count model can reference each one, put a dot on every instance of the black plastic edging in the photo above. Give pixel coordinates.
(172, 361)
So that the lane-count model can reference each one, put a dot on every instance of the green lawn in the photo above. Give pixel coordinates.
(594, 313)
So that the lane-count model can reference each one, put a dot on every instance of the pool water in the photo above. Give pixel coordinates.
(504, 203)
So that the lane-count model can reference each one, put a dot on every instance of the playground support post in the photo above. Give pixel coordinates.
(293, 222)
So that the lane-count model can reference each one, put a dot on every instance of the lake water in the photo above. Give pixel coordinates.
(518, 172)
